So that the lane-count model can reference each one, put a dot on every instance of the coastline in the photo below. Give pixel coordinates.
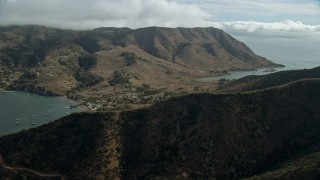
(2, 90)
(240, 74)
(81, 106)
(24, 110)
(78, 104)
(5, 91)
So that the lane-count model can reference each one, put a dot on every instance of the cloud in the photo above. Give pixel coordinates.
(260, 10)
(84, 14)
(252, 26)
(88, 14)
(279, 6)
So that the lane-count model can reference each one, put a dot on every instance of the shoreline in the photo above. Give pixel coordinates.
(82, 107)
(5, 91)
(78, 104)
(2, 90)
(228, 72)
(233, 74)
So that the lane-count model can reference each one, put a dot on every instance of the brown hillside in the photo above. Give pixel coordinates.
(202, 136)
(53, 61)
(205, 48)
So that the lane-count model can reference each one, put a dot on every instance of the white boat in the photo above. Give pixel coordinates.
(17, 121)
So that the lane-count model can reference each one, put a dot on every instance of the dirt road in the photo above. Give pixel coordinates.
(37, 173)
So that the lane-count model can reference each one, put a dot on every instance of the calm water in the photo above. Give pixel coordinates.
(240, 74)
(29, 109)
(295, 51)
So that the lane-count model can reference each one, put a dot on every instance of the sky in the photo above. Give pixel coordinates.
(237, 15)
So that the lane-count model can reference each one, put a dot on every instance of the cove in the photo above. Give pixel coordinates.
(21, 111)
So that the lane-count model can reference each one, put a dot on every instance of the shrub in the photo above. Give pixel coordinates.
(131, 58)
(87, 62)
(86, 78)
(120, 77)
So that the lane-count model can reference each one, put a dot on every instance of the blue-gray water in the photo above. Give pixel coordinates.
(294, 50)
(19, 110)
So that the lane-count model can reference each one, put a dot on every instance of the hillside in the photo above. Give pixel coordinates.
(204, 48)
(304, 167)
(86, 65)
(253, 82)
(206, 136)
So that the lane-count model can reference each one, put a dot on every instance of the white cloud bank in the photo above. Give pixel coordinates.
(253, 26)
(87, 14)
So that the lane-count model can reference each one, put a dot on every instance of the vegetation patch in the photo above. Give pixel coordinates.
(130, 58)
(148, 90)
(87, 79)
(89, 43)
(87, 62)
(120, 78)
(119, 43)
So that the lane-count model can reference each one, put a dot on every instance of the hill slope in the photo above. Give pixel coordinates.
(304, 167)
(223, 136)
(81, 146)
(204, 48)
(197, 136)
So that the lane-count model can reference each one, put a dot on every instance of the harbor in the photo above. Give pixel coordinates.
(21, 111)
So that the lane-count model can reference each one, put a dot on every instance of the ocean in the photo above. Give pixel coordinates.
(292, 49)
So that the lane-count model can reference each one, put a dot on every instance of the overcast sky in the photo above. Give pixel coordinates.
(245, 15)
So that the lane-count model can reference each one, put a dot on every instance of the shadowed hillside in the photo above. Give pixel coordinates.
(304, 167)
(81, 145)
(223, 136)
(202, 136)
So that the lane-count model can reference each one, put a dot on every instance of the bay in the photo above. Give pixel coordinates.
(19, 111)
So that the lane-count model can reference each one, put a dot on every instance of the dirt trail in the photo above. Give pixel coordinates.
(3, 165)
